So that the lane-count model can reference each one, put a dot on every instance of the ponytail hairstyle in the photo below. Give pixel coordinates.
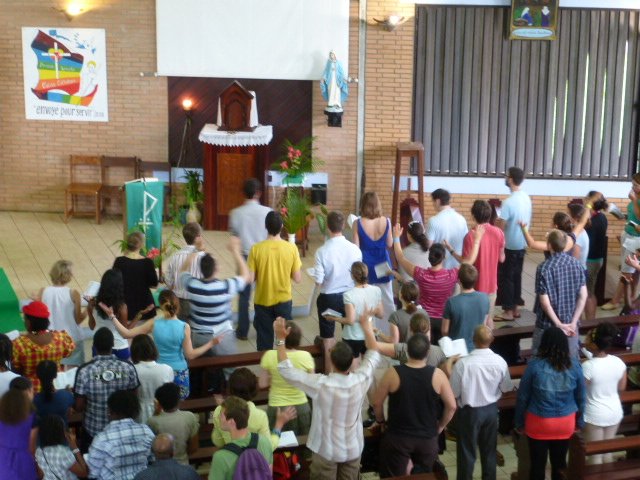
(416, 230)
(169, 303)
(47, 371)
(409, 292)
(563, 222)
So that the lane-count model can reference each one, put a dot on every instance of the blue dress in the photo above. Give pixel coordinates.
(374, 252)
(16, 461)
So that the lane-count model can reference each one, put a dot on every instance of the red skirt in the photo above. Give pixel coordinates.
(552, 428)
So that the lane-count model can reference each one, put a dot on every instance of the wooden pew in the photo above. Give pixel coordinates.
(421, 476)
(246, 359)
(577, 468)
(518, 333)
(630, 359)
(204, 454)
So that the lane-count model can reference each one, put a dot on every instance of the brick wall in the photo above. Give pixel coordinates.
(34, 154)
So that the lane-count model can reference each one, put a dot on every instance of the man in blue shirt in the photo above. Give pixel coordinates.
(515, 209)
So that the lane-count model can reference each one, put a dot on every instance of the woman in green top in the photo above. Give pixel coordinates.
(281, 394)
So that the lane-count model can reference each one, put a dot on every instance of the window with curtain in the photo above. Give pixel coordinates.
(558, 109)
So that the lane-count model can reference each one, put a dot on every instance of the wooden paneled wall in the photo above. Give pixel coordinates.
(285, 104)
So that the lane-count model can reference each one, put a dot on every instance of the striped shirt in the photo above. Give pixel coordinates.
(210, 302)
(436, 286)
(560, 277)
(174, 265)
(336, 424)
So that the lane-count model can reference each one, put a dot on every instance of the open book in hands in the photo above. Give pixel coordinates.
(453, 347)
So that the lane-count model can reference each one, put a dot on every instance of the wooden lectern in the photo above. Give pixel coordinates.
(408, 150)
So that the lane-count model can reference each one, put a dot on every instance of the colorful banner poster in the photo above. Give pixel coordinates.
(533, 19)
(65, 74)
(144, 209)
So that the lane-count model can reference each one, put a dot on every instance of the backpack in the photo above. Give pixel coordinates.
(285, 465)
(251, 465)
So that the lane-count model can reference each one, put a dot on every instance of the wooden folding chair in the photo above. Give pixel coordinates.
(83, 167)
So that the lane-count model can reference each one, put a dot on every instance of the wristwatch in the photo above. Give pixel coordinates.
(279, 343)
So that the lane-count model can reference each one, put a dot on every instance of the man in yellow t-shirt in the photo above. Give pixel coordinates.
(274, 263)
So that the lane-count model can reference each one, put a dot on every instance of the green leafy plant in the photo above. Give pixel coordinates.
(295, 210)
(297, 158)
(193, 187)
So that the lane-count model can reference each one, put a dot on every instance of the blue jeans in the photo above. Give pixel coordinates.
(243, 311)
(263, 322)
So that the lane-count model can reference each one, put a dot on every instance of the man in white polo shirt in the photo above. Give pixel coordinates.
(331, 273)
(447, 225)
(210, 300)
(478, 381)
(247, 223)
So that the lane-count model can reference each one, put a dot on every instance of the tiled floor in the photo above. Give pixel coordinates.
(31, 242)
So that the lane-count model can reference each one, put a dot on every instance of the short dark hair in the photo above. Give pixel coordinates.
(191, 231)
(557, 240)
(436, 254)
(37, 324)
(243, 383)
(103, 341)
(554, 348)
(124, 403)
(51, 431)
(441, 194)
(143, 349)
(481, 211)
(251, 187)
(236, 409)
(273, 223)
(335, 222)
(207, 265)
(293, 339)
(359, 272)
(342, 356)
(168, 396)
(468, 275)
(418, 346)
(516, 174)
(603, 335)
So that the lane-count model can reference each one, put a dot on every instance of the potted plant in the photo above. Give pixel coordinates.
(194, 194)
(296, 160)
(295, 210)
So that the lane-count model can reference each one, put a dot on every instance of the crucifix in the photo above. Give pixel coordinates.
(56, 54)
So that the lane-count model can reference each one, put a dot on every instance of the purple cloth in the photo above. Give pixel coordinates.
(16, 460)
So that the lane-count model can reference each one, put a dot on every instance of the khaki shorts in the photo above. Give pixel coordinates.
(593, 269)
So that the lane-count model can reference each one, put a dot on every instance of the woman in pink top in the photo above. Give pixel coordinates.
(436, 283)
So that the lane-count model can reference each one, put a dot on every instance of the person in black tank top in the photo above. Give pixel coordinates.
(421, 404)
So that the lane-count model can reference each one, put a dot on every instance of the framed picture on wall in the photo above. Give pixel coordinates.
(533, 19)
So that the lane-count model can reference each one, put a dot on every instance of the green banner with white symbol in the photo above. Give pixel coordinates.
(144, 210)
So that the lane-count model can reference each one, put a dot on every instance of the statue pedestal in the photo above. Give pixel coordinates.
(334, 118)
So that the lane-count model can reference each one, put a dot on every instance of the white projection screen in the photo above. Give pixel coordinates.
(266, 39)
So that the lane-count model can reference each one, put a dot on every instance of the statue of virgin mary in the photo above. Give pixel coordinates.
(334, 86)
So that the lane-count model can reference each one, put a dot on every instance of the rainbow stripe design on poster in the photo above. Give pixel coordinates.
(59, 72)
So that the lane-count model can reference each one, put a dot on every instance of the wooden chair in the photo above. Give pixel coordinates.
(128, 167)
(79, 167)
